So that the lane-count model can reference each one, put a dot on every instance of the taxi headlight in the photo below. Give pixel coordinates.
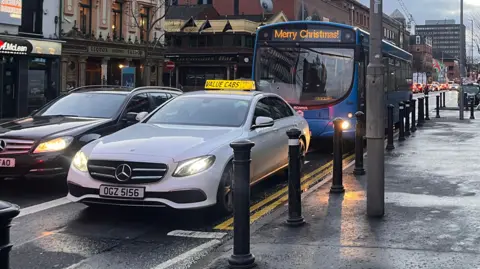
(80, 161)
(53, 145)
(194, 166)
(345, 125)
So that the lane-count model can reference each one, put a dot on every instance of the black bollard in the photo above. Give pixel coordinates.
(407, 118)
(421, 110)
(414, 120)
(438, 107)
(441, 97)
(401, 115)
(444, 94)
(359, 170)
(295, 217)
(426, 108)
(465, 100)
(7, 213)
(472, 108)
(241, 258)
(390, 145)
(337, 181)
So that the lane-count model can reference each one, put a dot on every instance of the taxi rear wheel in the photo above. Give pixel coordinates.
(225, 192)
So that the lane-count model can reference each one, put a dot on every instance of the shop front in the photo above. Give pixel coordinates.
(95, 62)
(191, 71)
(29, 74)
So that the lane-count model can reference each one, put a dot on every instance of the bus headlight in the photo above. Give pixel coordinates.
(345, 125)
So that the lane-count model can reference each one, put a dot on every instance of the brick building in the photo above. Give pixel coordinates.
(421, 49)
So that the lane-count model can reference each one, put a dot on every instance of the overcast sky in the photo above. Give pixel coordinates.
(436, 10)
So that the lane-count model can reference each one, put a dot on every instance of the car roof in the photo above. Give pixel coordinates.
(235, 94)
(115, 89)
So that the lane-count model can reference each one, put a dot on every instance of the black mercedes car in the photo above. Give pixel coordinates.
(43, 144)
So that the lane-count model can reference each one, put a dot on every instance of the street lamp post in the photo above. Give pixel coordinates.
(462, 42)
(375, 115)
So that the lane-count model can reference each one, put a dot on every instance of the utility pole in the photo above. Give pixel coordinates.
(471, 67)
(375, 115)
(303, 10)
(462, 62)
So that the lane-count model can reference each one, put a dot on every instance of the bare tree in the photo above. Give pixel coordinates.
(145, 17)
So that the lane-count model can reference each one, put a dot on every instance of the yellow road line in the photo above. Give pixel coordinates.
(284, 198)
(224, 225)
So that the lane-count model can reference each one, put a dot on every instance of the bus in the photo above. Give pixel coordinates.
(320, 69)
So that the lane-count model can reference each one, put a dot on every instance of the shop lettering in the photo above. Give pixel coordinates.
(115, 51)
(308, 34)
(10, 47)
(98, 49)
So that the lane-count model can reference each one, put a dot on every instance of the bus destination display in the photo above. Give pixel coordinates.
(323, 35)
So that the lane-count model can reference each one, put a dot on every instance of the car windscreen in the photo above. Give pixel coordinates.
(472, 89)
(202, 110)
(86, 104)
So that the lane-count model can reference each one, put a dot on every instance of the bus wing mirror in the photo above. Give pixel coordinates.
(359, 53)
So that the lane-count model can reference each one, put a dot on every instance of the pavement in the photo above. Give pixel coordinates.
(432, 210)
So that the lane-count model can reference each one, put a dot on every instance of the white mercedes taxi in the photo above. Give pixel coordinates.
(179, 155)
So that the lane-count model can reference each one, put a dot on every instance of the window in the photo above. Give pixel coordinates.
(86, 17)
(95, 105)
(159, 98)
(262, 109)
(139, 103)
(32, 16)
(280, 107)
(203, 111)
(117, 20)
(144, 23)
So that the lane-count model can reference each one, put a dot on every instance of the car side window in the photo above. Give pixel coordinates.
(280, 107)
(159, 98)
(138, 103)
(262, 109)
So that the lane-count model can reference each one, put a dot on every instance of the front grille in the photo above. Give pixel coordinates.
(141, 172)
(16, 146)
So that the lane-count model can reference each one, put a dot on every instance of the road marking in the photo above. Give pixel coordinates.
(44, 206)
(195, 234)
(189, 254)
(226, 224)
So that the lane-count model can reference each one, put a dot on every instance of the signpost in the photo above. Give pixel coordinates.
(170, 66)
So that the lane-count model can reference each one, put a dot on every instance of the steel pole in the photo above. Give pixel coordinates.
(375, 129)
(462, 44)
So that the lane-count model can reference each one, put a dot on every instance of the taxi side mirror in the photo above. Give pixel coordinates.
(263, 122)
(130, 117)
(140, 116)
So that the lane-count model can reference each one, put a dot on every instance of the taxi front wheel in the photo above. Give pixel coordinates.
(225, 192)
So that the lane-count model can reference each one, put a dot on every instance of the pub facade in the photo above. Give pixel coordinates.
(105, 39)
(208, 46)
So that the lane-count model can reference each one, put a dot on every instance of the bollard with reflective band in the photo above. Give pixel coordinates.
(407, 118)
(401, 115)
(421, 109)
(390, 145)
(426, 108)
(438, 107)
(241, 258)
(337, 181)
(359, 133)
(472, 108)
(413, 107)
(444, 94)
(295, 217)
(7, 213)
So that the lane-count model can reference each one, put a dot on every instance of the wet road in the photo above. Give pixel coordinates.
(53, 233)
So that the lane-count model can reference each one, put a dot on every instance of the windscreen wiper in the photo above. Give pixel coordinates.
(328, 54)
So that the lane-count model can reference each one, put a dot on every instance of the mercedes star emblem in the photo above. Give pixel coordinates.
(3, 145)
(123, 172)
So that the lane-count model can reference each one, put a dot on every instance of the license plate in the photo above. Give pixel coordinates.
(122, 192)
(7, 162)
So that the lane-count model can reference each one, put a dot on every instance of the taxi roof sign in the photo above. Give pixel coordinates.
(230, 85)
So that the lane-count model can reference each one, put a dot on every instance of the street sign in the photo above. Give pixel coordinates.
(170, 65)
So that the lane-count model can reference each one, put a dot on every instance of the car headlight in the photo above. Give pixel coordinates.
(194, 166)
(53, 145)
(80, 161)
(345, 125)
